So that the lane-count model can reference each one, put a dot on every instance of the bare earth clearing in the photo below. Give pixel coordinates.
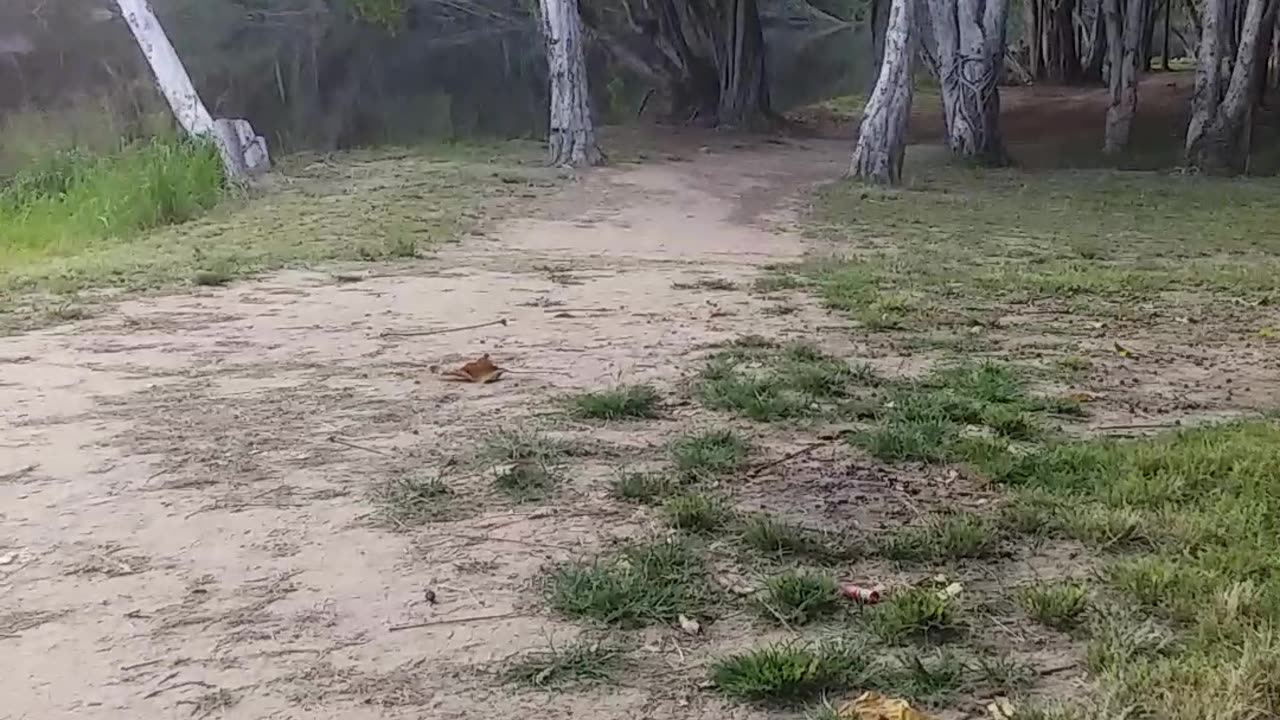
(187, 482)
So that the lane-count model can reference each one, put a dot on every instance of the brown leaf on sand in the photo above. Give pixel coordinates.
(480, 371)
(477, 371)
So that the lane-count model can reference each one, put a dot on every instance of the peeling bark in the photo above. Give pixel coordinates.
(882, 138)
(1124, 38)
(572, 137)
(971, 45)
(1221, 107)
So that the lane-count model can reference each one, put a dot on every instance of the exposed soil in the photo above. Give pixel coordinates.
(185, 481)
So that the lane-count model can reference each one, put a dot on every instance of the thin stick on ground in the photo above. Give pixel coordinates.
(454, 621)
(757, 470)
(441, 331)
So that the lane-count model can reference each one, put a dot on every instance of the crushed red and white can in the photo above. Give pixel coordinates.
(862, 594)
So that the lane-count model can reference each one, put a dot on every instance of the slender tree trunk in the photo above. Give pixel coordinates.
(971, 45)
(1164, 44)
(1124, 38)
(879, 26)
(243, 152)
(1097, 47)
(744, 80)
(572, 134)
(882, 138)
(1221, 108)
(1263, 58)
(1062, 57)
(1033, 15)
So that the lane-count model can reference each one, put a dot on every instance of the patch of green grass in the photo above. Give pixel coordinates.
(931, 678)
(788, 672)
(696, 512)
(351, 206)
(776, 383)
(780, 540)
(1188, 519)
(1058, 605)
(416, 498)
(709, 454)
(73, 199)
(621, 403)
(519, 446)
(580, 663)
(953, 536)
(637, 585)
(526, 481)
(932, 420)
(717, 283)
(917, 612)
(642, 487)
(799, 597)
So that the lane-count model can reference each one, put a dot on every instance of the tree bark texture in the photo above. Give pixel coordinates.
(572, 137)
(1221, 107)
(243, 152)
(971, 45)
(1125, 23)
(879, 26)
(882, 138)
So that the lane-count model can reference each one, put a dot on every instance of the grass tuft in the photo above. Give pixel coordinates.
(696, 513)
(526, 481)
(638, 585)
(779, 540)
(1057, 605)
(954, 536)
(917, 612)
(799, 597)
(620, 403)
(788, 672)
(641, 487)
(772, 383)
(415, 499)
(709, 454)
(579, 663)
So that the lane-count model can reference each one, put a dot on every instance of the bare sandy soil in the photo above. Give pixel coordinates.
(184, 483)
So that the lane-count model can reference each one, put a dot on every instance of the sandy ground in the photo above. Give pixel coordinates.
(185, 527)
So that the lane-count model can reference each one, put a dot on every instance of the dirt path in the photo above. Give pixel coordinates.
(182, 535)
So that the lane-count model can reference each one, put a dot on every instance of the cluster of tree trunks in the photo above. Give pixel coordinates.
(706, 57)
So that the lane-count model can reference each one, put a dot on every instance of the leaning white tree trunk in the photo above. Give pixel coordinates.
(572, 137)
(882, 138)
(971, 48)
(243, 152)
(1124, 36)
(1221, 108)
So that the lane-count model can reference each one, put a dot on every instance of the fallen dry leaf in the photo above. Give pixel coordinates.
(1002, 709)
(1123, 351)
(476, 371)
(874, 706)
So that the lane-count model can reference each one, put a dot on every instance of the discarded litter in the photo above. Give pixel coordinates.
(864, 595)
(874, 706)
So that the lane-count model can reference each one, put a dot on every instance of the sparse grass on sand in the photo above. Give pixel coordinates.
(416, 498)
(581, 662)
(799, 597)
(641, 584)
(765, 382)
(789, 672)
(709, 454)
(625, 402)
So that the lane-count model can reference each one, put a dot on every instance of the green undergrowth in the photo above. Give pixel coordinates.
(359, 206)
(766, 382)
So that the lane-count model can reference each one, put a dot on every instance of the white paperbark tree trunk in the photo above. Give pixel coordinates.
(572, 137)
(243, 152)
(882, 138)
(1125, 22)
(971, 45)
(1221, 108)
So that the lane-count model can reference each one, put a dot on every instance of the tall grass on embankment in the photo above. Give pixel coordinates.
(71, 200)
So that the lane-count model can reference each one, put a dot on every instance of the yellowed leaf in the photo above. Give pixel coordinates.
(1268, 332)
(874, 706)
(1123, 351)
